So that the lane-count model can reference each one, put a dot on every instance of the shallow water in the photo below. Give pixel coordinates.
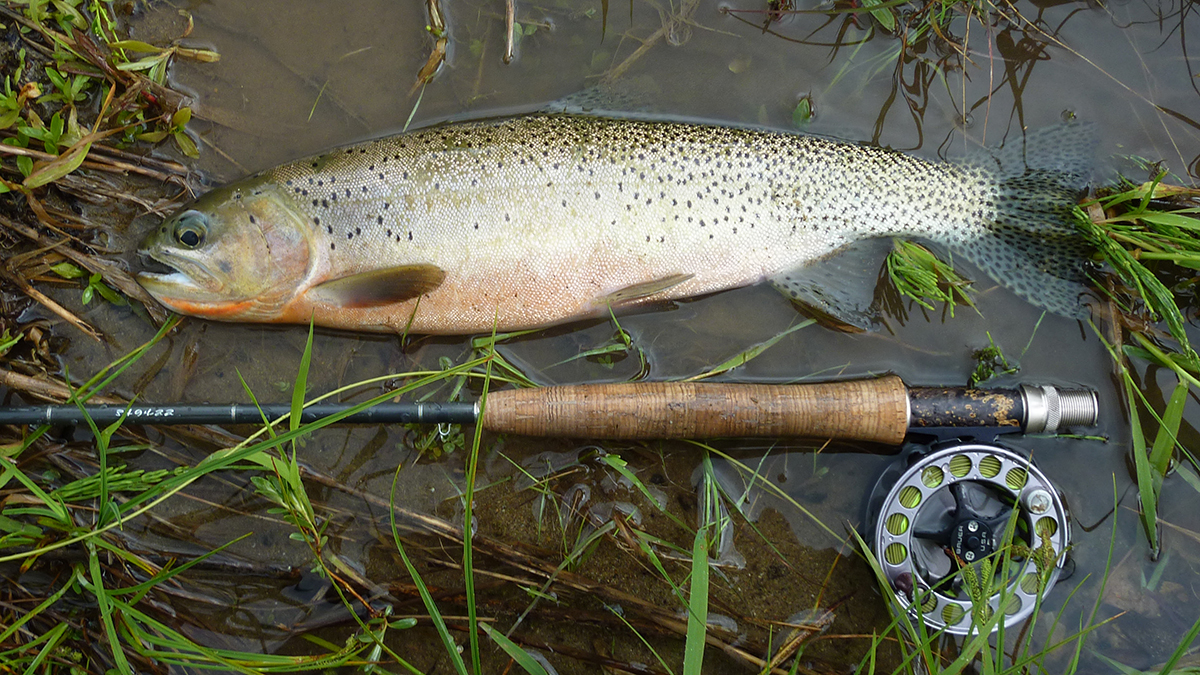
(298, 78)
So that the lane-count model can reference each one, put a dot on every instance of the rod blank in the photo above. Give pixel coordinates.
(383, 413)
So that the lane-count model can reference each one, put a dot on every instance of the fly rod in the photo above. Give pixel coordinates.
(880, 409)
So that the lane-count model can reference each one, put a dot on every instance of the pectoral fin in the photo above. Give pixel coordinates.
(379, 287)
(642, 290)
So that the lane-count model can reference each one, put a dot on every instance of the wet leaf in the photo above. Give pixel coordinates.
(882, 14)
(65, 164)
(1165, 440)
(802, 114)
(134, 46)
(515, 652)
(186, 145)
(67, 270)
(201, 55)
(181, 117)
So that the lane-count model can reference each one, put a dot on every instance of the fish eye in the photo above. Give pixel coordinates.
(191, 229)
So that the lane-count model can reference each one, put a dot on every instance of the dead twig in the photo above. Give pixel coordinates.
(510, 20)
(53, 306)
(436, 28)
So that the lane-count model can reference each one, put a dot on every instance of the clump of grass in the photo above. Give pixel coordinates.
(922, 277)
(1143, 231)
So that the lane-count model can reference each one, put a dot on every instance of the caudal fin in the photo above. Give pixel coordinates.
(1031, 243)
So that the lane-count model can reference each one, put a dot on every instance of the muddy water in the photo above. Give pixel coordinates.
(297, 78)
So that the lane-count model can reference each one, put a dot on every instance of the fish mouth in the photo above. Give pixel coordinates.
(168, 277)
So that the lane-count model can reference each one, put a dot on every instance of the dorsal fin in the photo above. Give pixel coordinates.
(379, 287)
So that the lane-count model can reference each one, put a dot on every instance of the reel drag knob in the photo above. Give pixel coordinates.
(968, 531)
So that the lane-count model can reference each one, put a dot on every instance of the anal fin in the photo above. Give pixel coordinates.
(379, 287)
(841, 285)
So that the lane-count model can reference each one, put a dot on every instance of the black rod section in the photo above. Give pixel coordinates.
(383, 413)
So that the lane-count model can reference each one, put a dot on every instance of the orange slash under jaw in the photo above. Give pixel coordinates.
(226, 310)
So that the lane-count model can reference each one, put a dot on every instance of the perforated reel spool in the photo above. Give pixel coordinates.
(949, 510)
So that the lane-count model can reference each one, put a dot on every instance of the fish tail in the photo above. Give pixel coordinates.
(1030, 242)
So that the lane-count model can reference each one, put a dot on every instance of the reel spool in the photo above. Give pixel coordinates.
(950, 509)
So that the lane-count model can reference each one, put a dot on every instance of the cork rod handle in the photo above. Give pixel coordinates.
(865, 410)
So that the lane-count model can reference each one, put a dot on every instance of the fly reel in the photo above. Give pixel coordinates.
(965, 531)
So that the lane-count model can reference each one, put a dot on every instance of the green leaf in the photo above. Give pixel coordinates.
(697, 624)
(181, 117)
(882, 14)
(514, 651)
(1164, 441)
(1141, 463)
(134, 46)
(802, 113)
(301, 385)
(65, 164)
(745, 357)
(186, 145)
(67, 270)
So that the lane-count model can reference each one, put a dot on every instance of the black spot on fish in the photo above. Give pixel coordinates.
(410, 235)
(329, 229)
(315, 202)
(325, 203)
(387, 205)
(349, 235)
(253, 221)
(358, 230)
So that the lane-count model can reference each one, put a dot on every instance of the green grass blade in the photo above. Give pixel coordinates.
(1141, 461)
(16, 625)
(1181, 650)
(522, 657)
(52, 639)
(106, 612)
(298, 390)
(435, 615)
(697, 628)
(745, 357)
(1164, 441)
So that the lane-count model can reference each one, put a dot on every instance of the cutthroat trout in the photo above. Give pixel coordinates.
(532, 221)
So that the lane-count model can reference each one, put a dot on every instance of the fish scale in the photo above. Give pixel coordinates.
(536, 220)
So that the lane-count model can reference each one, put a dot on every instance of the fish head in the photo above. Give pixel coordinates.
(238, 253)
